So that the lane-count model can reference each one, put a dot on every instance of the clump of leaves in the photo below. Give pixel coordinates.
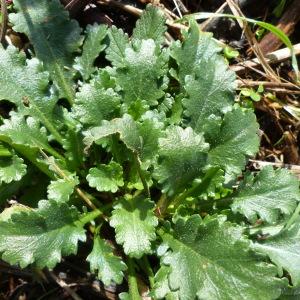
(147, 151)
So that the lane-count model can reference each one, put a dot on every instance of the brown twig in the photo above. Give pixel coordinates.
(287, 24)
(272, 58)
(4, 21)
(266, 84)
(65, 286)
(252, 41)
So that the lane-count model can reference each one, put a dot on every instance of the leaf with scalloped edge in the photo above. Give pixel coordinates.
(106, 178)
(134, 222)
(94, 103)
(141, 76)
(24, 83)
(109, 266)
(54, 36)
(268, 195)
(60, 190)
(118, 42)
(197, 49)
(151, 25)
(140, 137)
(41, 236)
(93, 45)
(233, 142)
(12, 169)
(284, 250)
(211, 259)
(182, 156)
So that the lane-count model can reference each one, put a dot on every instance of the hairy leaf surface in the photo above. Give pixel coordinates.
(134, 222)
(41, 235)
(267, 195)
(210, 259)
(109, 266)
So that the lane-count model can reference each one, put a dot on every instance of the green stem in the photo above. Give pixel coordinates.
(132, 281)
(149, 271)
(201, 187)
(90, 216)
(141, 174)
(293, 218)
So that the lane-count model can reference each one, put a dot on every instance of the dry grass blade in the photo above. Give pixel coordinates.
(252, 41)
(4, 20)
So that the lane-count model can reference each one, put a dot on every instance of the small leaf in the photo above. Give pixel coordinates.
(92, 47)
(118, 42)
(284, 250)
(110, 267)
(210, 259)
(267, 195)
(60, 190)
(235, 140)
(151, 25)
(141, 76)
(12, 169)
(106, 178)
(134, 222)
(41, 235)
(182, 156)
(93, 103)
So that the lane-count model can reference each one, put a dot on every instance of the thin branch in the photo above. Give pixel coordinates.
(4, 21)
(271, 58)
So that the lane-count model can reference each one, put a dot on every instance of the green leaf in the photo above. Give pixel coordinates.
(142, 72)
(54, 36)
(24, 132)
(93, 103)
(151, 25)
(118, 42)
(110, 267)
(12, 169)
(235, 140)
(210, 259)
(134, 222)
(284, 250)
(140, 138)
(106, 178)
(60, 190)
(41, 236)
(182, 156)
(197, 50)
(92, 47)
(268, 195)
(24, 83)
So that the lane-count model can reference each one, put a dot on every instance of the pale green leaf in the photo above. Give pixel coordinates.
(106, 177)
(92, 47)
(151, 25)
(54, 36)
(141, 76)
(211, 259)
(134, 222)
(118, 42)
(182, 156)
(60, 190)
(41, 236)
(12, 169)
(267, 195)
(110, 267)
(93, 103)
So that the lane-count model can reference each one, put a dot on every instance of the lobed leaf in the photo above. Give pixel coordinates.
(110, 267)
(134, 222)
(210, 259)
(267, 195)
(41, 236)
(12, 169)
